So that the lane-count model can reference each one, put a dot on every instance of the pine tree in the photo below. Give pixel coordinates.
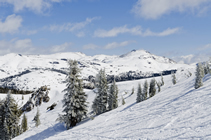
(123, 101)
(174, 80)
(140, 95)
(100, 102)
(145, 90)
(74, 101)
(133, 90)
(162, 81)
(199, 76)
(37, 118)
(9, 118)
(24, 123)
(113, 96)
(159, 86)
(152, 89)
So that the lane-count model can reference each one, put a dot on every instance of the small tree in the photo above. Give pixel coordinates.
(145, 90)
(113, 96)
(133, 90)
(199, 76)
(159, 85)
(37, 118)
(140, 95)
(123, 101)
(174, 80)
(24, 123)
(162, 81)
(152, 89)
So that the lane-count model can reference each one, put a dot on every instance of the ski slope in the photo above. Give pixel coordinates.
(177, 112)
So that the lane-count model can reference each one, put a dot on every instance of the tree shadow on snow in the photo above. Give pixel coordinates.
(49, 132)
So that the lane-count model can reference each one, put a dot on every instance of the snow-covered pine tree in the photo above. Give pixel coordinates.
(37, 118)
(101, 100)
(206, 68)
(140, 95)
(113, 96)
(159, 86)
(152, 89)
(174, 80)
(74, 101)
(162, 81)
(9, 117)
(145, 90)
(24, 123)
(133, 90)
(123, 101)
(82, 101)
(199, 76)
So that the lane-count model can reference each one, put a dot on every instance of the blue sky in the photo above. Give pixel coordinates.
(177, 29)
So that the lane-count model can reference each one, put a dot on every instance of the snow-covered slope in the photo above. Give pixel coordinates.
(27, 72)
(177, 112)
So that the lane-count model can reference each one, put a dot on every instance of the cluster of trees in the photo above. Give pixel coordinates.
(9, 119)
(107, 97)
(201, 71)
(74, 102)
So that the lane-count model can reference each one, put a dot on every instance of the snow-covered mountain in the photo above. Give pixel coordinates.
(27, 72)
(177, 112)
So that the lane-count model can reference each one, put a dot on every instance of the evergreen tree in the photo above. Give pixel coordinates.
(123, 101)
(152, 89)
(100, 102)
(206, 68)
(133, 90)
(159, 86)
(74, 101)
(113, 96)
(9, 118)
(174, 80)
(145, 90)
(162, 81)
(199, 76)
(140, 95)
(37, 118)
(24, 123)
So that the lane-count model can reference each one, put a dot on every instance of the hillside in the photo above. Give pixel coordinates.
(177, 112)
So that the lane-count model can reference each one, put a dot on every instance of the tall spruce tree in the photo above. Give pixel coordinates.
(24, 123)
(140, 94)
(152, 89)
(199, 76)
(74, 102)
(9, 118)
(101, 100)
(145, 90)
(113, 96)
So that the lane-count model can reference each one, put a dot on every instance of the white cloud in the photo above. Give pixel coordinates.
(108, 46)
(137, 30)
(90, 47)
(11, 24)
(208, 46)
(115, 44)
(80, 34)
(33, 5)
(72, 26)
(16, 46)
(153, 9)
(60, 48)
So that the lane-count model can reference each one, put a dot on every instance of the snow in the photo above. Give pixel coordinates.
(177, 112)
